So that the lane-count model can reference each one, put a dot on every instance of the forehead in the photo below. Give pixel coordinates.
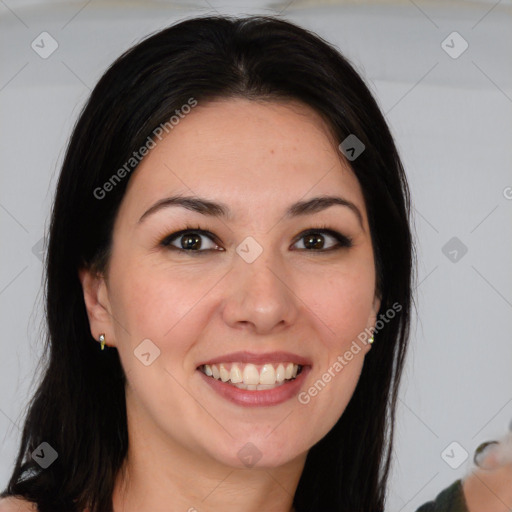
(247, 154)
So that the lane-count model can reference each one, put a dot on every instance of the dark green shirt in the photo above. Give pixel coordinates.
(450, 499)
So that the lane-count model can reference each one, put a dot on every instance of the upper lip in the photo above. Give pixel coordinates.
(251, 357)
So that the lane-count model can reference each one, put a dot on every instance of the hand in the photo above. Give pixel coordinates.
(488, 488)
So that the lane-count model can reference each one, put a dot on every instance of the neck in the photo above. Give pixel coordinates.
(235, 490)
(159, 472)
(199, 490)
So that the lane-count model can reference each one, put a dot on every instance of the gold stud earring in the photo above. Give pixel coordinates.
(102, 341)
(371, 340)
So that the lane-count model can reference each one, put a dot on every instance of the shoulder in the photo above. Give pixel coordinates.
(451, 499)
(12, 504)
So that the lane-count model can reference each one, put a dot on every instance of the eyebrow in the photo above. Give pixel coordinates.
(221, 210)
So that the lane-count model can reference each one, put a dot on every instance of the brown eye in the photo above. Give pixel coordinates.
(190, 241)
(314, 240)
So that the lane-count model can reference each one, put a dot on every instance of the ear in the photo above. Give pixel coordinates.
(97, 305)
(375, 308)
(372, 319)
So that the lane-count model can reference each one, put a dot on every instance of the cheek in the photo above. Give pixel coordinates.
(325, 398)
(158, 301)
(154, 301)
(342, 301)
(160, 306)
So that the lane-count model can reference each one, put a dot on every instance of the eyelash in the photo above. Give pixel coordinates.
(344, 242)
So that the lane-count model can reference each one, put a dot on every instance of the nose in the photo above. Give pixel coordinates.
(260, 296)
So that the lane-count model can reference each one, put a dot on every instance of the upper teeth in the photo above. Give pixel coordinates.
(251, 374)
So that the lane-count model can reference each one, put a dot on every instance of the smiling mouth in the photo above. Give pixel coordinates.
(253, 377)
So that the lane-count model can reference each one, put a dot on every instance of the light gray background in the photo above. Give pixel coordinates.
(452, 119)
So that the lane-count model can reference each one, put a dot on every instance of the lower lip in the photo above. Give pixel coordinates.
(257, 398)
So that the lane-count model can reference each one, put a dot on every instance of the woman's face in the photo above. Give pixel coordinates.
(249, 297)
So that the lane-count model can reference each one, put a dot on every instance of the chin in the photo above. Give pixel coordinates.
(265, 451)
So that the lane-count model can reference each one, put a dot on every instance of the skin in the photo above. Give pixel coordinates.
(258, 158)
(183, 437)
(490, 489)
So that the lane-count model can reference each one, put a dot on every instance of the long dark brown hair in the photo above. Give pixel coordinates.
(79, 407)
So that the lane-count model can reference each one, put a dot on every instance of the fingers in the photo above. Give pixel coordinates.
(494, 454)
